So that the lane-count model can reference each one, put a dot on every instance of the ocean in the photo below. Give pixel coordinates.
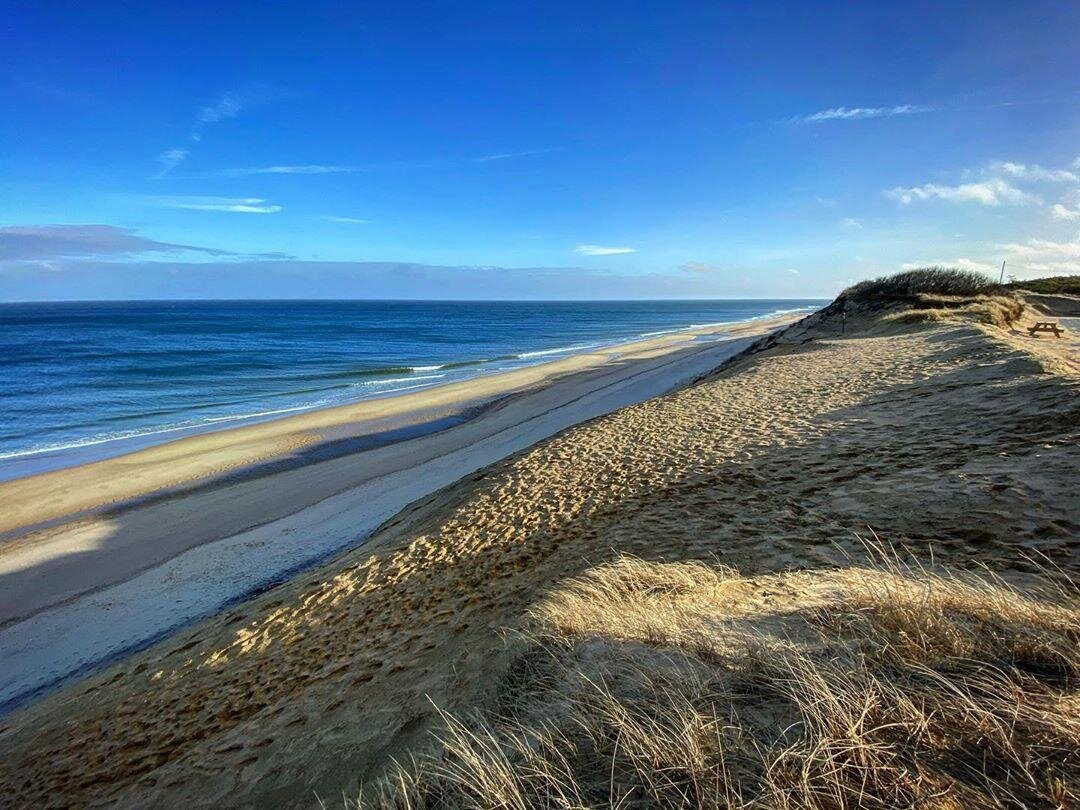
(81, 381)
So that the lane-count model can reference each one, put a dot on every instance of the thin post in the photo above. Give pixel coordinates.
(1001, 279)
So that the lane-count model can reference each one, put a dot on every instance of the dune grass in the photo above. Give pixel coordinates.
(684, 685)
(909, 285)
(932, 294)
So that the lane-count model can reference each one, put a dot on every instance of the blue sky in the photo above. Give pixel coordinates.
(531, 150)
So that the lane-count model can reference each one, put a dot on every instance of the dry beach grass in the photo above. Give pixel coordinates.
(590, 580)
(648, 684)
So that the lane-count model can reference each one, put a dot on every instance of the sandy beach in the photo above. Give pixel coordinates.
(940, 433)
(138, 545)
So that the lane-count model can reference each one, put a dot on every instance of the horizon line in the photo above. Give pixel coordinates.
(404, 300)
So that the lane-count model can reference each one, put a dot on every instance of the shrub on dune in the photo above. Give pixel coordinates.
(911, 284)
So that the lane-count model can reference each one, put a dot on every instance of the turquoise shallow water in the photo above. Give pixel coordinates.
(86, 380)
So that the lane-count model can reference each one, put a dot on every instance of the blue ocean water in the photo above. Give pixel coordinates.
(87, 380)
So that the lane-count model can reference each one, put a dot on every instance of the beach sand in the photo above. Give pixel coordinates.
(947, 434)
(102, 558)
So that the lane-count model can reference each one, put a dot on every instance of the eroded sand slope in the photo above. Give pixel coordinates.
(949, 434)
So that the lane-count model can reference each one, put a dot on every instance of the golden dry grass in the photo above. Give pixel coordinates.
(683, 685)
(995, 310)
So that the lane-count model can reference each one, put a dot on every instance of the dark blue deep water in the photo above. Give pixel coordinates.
(86, 380)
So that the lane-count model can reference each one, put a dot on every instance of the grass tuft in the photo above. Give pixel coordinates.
(684, 685)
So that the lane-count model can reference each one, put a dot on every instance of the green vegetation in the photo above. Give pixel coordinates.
(911, 284)
(1055, 285)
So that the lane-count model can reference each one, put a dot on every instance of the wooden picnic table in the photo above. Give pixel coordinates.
(1045, 326)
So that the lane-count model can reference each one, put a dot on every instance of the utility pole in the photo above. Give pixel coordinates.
(1001, 280)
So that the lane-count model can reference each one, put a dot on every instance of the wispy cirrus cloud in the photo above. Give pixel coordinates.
(228, 105)
(340, 168)
(602, 250)
(510, 155)
(859, 113)
(310, 168)
(232, 205)
(346, 220)
(992, 192)
(170, 159)
(45, 242)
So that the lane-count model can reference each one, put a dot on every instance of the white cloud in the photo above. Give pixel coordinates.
(1041, 257)
(1059, 211)
(234, 205)
(600, 250)
(988, 192)
(347, 220)
(962, 263)
(1053, 268)
(792, 270)
(1022, 171)
(855, 113)
(849, 222)
(1043, 249)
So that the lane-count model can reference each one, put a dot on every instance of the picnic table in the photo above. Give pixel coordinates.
(1045, 326)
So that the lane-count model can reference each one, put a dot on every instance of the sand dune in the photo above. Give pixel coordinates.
(939, 433)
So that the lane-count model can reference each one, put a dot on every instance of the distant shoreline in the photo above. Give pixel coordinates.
(409, 375)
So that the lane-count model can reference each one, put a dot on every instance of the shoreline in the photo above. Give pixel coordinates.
(87, 450)
(142, 545)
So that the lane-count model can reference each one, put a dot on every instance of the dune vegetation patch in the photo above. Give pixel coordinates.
(1054, 285)
(909, 285)
(996, 310)
(887, 685)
